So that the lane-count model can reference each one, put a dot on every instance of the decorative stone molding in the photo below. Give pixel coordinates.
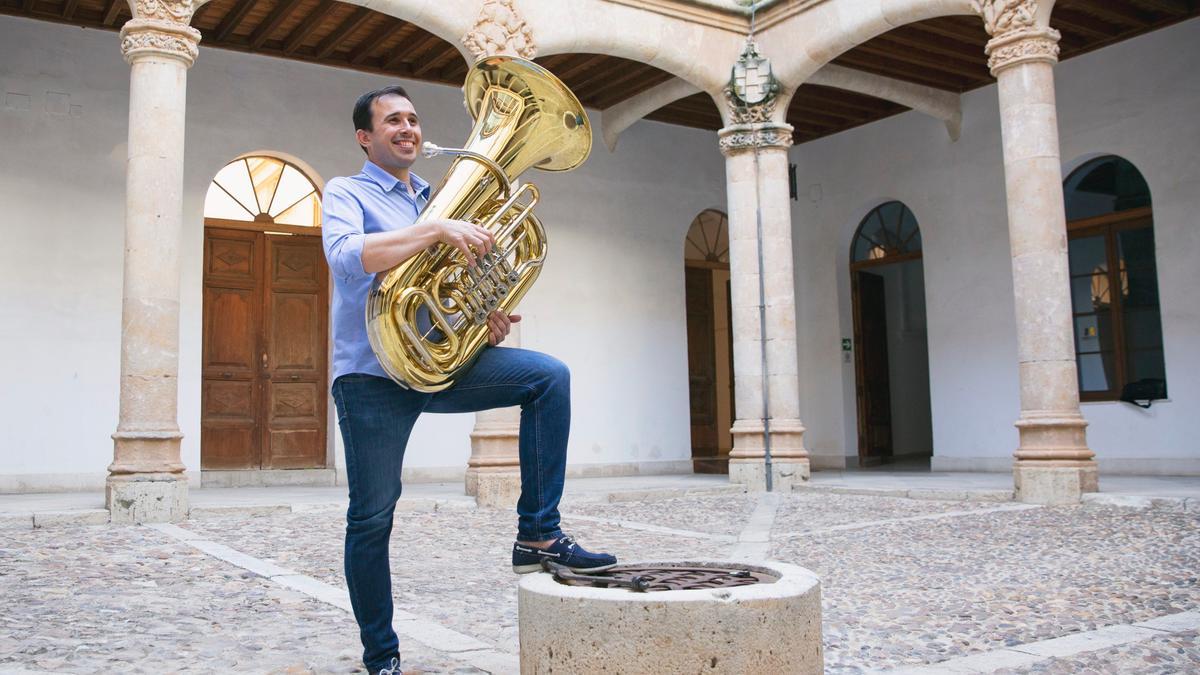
(1005, 16)
(742, 137)
(1016, 37)
(500, 29)
(142, 37)
(740, 113)
(1022, 46)
(171, 11)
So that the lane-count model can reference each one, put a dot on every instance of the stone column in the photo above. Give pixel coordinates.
(494, 469)
(1053, 464)
(146, 480)
(749, 190)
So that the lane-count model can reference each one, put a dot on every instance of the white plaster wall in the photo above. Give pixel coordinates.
(609, 301)
(1138, 99)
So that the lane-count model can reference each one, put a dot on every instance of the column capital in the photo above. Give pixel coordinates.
(500, 29)
(1017, 34)
(737, 138)
(160, 28)
(1022, 46)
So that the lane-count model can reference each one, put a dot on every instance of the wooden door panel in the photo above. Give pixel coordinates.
(230, 330)
(874, 385)
(294, 336)
(702, 370)
(230, 388)
(295, 367)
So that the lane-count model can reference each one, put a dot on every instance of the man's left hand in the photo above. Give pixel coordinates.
(499, 324)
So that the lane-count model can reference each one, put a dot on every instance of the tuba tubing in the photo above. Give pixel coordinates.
(427, 317)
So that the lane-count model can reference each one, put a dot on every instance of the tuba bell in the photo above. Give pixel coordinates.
(427, 316)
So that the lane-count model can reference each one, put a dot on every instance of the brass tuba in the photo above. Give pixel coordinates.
(427, 316)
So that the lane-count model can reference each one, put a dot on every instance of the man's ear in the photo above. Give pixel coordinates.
(363, 138)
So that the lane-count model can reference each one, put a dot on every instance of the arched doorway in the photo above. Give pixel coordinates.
(710, 341)
(1114, 283)
(264, 366)
(891, 344)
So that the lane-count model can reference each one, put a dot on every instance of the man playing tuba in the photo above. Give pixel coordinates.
(367, 229)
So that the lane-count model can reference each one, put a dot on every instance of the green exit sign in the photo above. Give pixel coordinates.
(846, 344)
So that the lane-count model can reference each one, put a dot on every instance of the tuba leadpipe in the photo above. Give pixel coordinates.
(427, 316)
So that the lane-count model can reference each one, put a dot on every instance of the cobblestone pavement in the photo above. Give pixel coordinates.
(915, 582)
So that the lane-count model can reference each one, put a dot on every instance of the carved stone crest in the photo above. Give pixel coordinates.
(1005, 16)
(500, 29)
(160, 28)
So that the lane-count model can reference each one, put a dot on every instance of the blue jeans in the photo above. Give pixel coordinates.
(376, 416)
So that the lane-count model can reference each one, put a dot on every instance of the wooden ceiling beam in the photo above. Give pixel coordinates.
(620, 88)
(859, 102)
(1076, 22)
(355, 21)
(27, 6)
(850, 112)
(390, 28)
(406, 55)
(1175, 7)
(967, 70)
(113, 10)
(972, 38)
(436, 61)
(582, 64)
(69, 9)
(931, 46)
(455, 72)
(274, 20)
(1115, 12)
(887, 68)
(232, 20)
(300, 33)
(603, 76)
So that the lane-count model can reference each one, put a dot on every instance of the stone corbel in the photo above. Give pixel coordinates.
(752, 126)
(500, 29)
(160, 28)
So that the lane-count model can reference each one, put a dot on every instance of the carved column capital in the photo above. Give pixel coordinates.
(500, 29)
(752, 126)
(744, 137)
(1016, 35)
(160, 28)
(1022, 46)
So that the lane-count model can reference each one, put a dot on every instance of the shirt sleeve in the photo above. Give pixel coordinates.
(342, 231)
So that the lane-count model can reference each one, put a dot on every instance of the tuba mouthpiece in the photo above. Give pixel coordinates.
(430, 150)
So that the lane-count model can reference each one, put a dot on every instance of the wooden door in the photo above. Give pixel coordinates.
(263, 403)
(702, 370)
(871, 356)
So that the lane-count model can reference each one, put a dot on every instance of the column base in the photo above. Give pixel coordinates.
(146, 498)
(1054, 482)
(785, 473)
(789, 459)
(497, 489)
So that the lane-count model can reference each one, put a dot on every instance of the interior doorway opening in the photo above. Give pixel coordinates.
(265, 315)
(891, 345)
(710, 341)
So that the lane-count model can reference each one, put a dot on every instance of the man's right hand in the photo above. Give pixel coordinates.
(469, 238)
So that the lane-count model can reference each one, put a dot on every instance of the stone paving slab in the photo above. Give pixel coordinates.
(922, 592)
(451, 568)
(131, 600)
(725, 514)
(802, 511)
(1159, 655)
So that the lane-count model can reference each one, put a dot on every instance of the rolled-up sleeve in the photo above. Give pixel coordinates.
(342, 231)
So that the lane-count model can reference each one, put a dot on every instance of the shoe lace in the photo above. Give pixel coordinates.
(392, 668)
(568, 540)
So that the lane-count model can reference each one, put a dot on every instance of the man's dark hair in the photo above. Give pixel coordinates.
(362, 107)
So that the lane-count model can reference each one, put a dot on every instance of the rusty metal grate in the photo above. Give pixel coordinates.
(645, 578)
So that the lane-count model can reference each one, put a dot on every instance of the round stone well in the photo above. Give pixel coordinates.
(762, 617)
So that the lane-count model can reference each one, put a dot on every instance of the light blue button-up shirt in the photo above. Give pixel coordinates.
(355, 206)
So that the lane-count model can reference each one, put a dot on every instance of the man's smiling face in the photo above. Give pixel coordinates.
(395, 139)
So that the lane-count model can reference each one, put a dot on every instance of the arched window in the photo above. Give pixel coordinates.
(708, 238)
(1114, 282)
(263, 189)
(889, 232)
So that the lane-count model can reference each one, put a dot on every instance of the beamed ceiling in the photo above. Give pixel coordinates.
(946, 53)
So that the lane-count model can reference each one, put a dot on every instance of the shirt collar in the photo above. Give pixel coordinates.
(388, 182)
